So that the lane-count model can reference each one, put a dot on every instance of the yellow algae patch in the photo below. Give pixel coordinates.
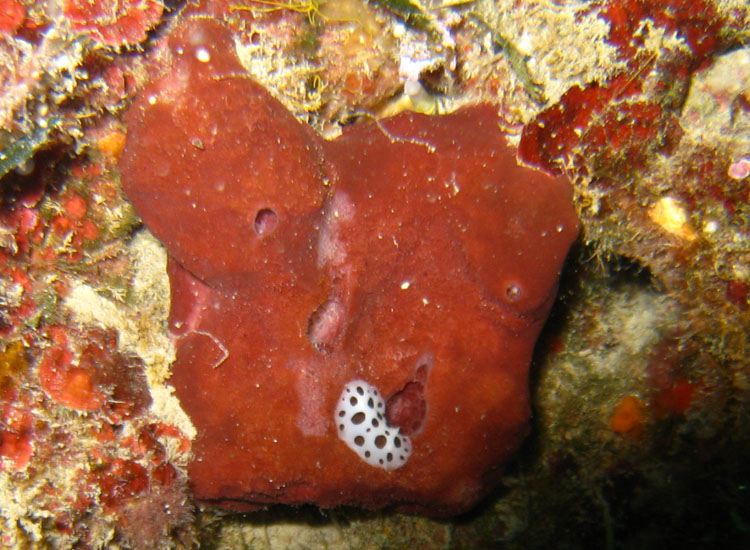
(670, 215)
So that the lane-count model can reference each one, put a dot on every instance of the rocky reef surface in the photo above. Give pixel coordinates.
(640, 384)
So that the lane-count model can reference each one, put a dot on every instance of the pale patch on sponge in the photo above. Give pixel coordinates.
(331, 249)
(361, 424)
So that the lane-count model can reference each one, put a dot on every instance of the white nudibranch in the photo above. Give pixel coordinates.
(361, 424)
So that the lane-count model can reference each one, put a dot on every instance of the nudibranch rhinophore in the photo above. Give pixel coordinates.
(413, 257)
